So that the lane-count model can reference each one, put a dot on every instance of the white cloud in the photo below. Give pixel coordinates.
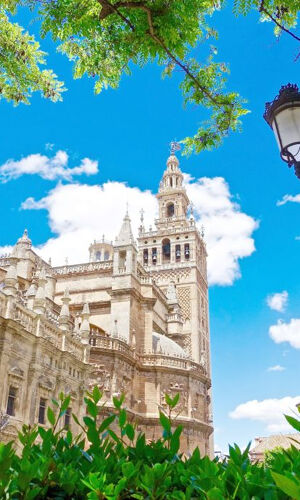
(80, 213)
(268, 411)
(288, 197)
(48, 168)
(276, 368)
(278, 301)
(228, 230)
(286, 332)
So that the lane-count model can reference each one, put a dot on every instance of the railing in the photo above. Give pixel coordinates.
(82, 268)
(170, 361)
(74, 347)
(174, 317)
(4, 261)
(25, 317)
(50, 332)
(112, 344)
(148, 234)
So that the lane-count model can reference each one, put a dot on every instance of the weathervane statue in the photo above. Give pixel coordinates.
(174, 146)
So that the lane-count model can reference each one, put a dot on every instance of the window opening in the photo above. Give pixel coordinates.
(68, 417)
(154, 255)
(177, 253)
(187, 251)
(11, 401)
(42, 411)
(166, 250)
(170, 210)
(145, 256)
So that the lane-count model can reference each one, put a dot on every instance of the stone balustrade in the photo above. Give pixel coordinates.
(82, 268)
(4, 261)
(74, 346)
(122, 270)
(170, 361)
(50, 332)
(40, 326)
(111, 344)
(146, 359)
(25, 317)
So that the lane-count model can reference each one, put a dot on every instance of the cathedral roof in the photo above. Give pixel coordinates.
(163, 345)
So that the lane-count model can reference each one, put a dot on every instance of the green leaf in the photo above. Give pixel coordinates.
(122, 417)
(172, 402)
(130, 432)
(215, 494)
(106, 423)
(293, 422)
(288, 486)
(51, 416)
(97, 395)
(165, 422)
(175, 440)
(65, 404)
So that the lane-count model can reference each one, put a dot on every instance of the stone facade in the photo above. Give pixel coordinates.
(133, 320)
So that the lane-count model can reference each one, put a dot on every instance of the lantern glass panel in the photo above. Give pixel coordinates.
(287, 132)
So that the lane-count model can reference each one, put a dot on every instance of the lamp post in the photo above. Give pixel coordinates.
(283, 116)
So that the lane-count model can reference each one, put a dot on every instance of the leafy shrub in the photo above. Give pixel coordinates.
(110, 460)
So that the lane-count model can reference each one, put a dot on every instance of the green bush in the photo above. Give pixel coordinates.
(110, 460)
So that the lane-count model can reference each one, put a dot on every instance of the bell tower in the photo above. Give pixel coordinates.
(172, 197)
(175, 253)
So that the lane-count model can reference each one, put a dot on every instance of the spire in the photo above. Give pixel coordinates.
(24, 239)
(77, 325)
(40, 297)
(30, 295)
(85, 324)
(23, 244)
(64, 316)
(125, 235)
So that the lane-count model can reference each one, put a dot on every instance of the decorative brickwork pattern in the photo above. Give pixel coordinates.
(184, 296)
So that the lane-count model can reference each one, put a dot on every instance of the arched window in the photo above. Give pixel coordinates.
(106, 255)
(145, 256)
(166, 250)
(187, 251)
(98, 255)
(177, 253)
(154, 255)
(170, 210)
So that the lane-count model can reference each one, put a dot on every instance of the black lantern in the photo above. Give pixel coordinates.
(283, 116)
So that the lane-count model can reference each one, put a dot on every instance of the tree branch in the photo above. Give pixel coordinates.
(262, 9)
(110, 8)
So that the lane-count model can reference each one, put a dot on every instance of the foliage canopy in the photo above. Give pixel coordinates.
(105, 38)
(111, 460)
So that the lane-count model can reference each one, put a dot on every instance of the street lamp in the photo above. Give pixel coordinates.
(283, 116)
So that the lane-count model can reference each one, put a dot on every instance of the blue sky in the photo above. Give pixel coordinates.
(127, 131)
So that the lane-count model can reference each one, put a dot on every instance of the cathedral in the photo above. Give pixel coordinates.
(133, 319)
